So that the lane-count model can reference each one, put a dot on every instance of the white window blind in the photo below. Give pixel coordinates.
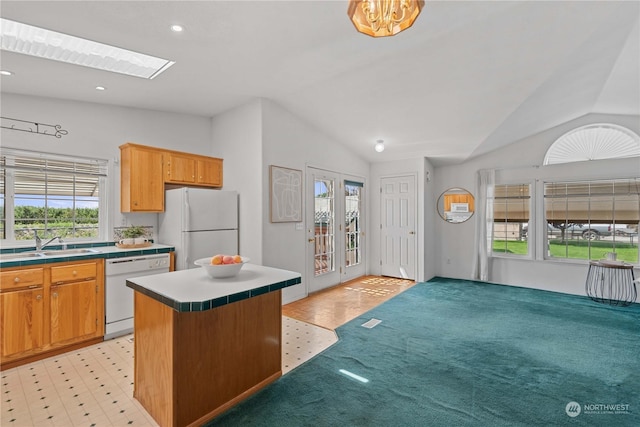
(50, 194)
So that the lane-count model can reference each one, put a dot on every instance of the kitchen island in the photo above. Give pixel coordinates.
(202, 344)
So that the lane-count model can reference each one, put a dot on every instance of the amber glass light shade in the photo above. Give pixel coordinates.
(382, 18)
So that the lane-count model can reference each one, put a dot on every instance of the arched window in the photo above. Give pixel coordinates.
(593, 142)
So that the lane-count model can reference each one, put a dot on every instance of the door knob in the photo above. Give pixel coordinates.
(412, 232)
(312, 240)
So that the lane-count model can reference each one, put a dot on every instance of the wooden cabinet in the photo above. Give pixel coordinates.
(193, 170)
(73, 312)
(141, 180)
(22, 321)
(209, 172)
(180, 169)
(144, 171)
(22, 305)
(50, 308)
(74, 292)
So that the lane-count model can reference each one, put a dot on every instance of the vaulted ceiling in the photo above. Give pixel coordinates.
(467, 78)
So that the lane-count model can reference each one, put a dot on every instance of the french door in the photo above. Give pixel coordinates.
(335, 233)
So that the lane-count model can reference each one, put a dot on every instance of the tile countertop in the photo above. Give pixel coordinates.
(98, 250)
(194, 290)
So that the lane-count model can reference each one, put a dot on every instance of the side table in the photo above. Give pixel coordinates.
(611, 282)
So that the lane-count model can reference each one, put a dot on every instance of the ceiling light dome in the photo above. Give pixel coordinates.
(379, 147)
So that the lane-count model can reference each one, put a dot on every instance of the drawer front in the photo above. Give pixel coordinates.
(21, 278)
(72, 273)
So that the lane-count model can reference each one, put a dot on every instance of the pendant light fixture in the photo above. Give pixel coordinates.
(379, 147)
(382, 18)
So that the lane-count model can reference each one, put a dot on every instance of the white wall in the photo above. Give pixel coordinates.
(97, 130)
(237, 138)
(517, 163)
(292, 143)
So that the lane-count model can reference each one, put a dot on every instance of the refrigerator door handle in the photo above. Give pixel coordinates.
(185, 249)
(187, 211)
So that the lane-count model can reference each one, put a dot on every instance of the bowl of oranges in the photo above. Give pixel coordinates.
(219, 266)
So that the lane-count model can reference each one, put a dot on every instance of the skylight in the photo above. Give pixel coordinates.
(42, 43)
(593, 142)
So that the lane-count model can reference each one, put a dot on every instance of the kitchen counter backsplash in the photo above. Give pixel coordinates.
(118, 233)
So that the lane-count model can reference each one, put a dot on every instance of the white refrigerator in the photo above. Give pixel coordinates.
(199, 223)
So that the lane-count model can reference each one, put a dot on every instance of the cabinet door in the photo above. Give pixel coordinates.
(209, 172)
(74, 313)
(141, 180)
(180, 169)
(21, 321)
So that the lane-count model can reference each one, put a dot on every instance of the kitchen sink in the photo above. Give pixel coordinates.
(51, 253)
(69, 252)
(7, 257)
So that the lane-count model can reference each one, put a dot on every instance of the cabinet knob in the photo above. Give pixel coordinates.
(55, 295)
(17, 279)
(74, 273)
(38, 297)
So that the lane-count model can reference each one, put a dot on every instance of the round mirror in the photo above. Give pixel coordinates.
(456, 205)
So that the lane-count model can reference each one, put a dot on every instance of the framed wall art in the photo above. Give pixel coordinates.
(285, 194)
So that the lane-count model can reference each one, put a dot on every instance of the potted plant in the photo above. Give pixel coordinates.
(133, 235)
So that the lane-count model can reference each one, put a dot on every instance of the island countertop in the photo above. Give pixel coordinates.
(194, 290)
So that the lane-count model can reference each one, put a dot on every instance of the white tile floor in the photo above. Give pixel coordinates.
(94, 386)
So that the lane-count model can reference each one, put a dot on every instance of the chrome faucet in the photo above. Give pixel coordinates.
(39, 245)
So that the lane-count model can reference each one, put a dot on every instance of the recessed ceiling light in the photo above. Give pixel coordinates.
(100, 88)
(6, 73)
(29, 40)
(177, 28)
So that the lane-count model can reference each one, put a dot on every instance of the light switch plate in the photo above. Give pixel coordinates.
(299, 226)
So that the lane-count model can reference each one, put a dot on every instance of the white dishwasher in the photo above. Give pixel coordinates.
(118, 306)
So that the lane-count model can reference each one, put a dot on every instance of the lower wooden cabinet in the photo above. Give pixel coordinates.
(62, 308)
(73, 312)
(22, 321)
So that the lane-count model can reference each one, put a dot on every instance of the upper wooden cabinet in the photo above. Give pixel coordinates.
(141, 180)
(179, 168)
(160, 167)
(191, 169)
(209, 172)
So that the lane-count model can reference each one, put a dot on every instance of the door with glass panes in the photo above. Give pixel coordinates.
(335, 233)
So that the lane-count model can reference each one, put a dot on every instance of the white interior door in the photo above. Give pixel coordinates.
(398, 227)
(323, 207)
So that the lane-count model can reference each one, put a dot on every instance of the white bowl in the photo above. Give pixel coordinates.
(220, 270)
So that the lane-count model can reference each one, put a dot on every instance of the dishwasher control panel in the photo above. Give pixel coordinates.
(137, 264)
(159, 262)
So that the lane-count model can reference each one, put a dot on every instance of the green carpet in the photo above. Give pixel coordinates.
(463, 353)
